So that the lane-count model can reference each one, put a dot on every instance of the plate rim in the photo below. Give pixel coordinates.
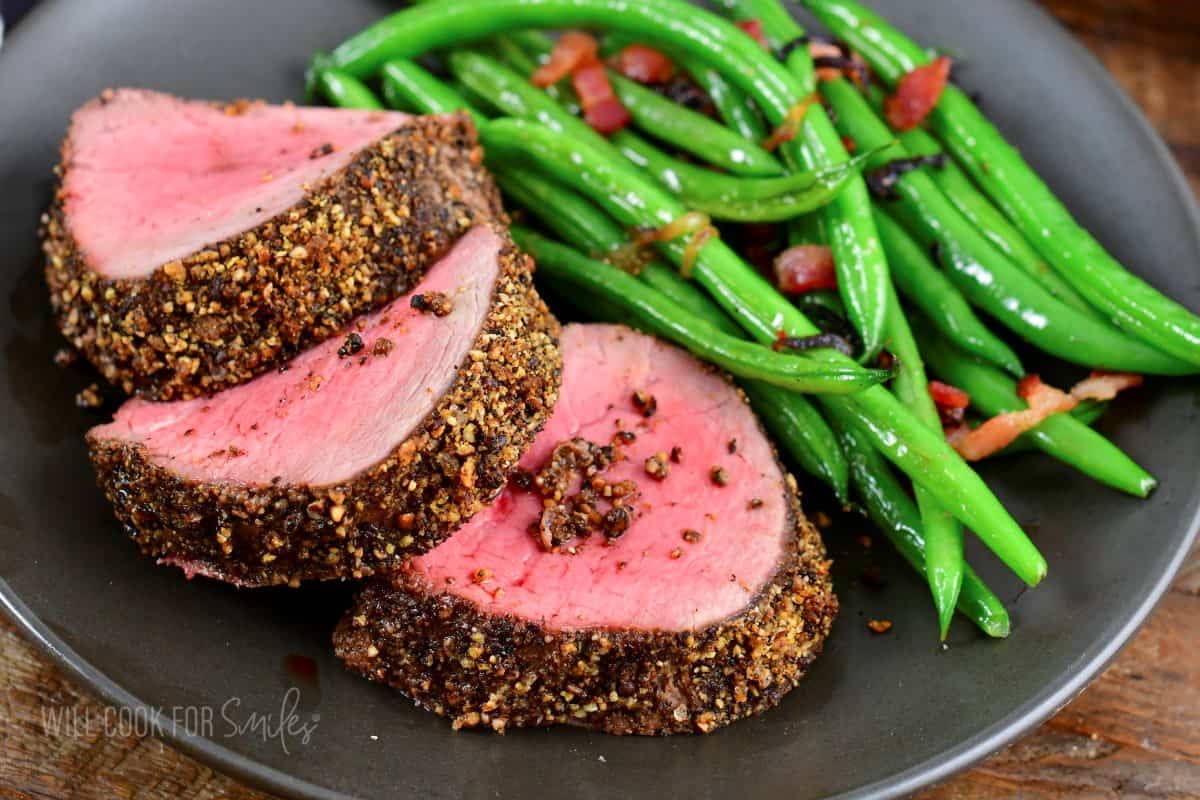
(936, 769)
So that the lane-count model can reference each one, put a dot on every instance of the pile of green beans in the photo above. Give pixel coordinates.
(1024, 198)
(937, 241)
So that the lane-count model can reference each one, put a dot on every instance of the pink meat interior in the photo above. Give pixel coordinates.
(327, 417)
(150, 178)
(651, 578)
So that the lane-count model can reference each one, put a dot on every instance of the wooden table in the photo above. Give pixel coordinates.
(1134, 734)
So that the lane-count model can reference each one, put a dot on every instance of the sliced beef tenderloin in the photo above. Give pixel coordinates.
(366, 448)
(192, 246)
(707, 607)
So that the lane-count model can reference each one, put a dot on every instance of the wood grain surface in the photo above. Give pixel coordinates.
(1134, 734)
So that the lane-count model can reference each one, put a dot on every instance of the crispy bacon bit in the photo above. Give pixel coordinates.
(948, 396)
(1003, 429)
(805, 268)
(917, 94)
(643, 64)
(754, 27)
(601, 108)
(850, 145)
(1102, 385)
(790, 126)
(951, 404)
(573, 49)
(879, 625)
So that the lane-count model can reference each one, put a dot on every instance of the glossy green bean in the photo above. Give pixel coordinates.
(736, 109)
(692, 132)
(652, 313)
(984, 274)
(925, 286)
(894, 514)
(943, 534)
(1013, 185)
(862, 267)
(976, 207)
(622, 191)
(1062, 436)
(405, 83)
(725, 197)
(343, 89)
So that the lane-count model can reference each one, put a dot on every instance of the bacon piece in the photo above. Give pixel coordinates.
(601, 108)
(948, 396)
(1003, 429)
(951, 405)
(917, 94)
(805, 268)
(1102, 385)
(644, 64)
(573, 49)
(754, 27)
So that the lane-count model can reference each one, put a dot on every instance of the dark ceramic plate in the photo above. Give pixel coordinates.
(878, 717)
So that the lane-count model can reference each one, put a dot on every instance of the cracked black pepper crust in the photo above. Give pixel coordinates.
(239, 307)
(496, 671)
(455, 462)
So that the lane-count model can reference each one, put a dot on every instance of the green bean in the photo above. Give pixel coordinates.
(734, 107)
(924, 285)
(511, 52)
(618, 188)
(345, 90)
(973, 205)
(893, 512)
(862, 268)
(1014, 186)
(1060, 435)
(403, 82)
(692, 132)
(985, 275)
(652, 313)
(726, 197)
(677, 27)
(537, 47)
(943, 534)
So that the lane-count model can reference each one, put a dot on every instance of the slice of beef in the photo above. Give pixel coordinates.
(708, 608)
(366, 448)
(192, 246)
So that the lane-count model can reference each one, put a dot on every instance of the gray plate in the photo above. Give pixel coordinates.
(878, 717)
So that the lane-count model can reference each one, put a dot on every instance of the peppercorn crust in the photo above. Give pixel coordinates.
(497, 671)
(242, 306)
(455, 462)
